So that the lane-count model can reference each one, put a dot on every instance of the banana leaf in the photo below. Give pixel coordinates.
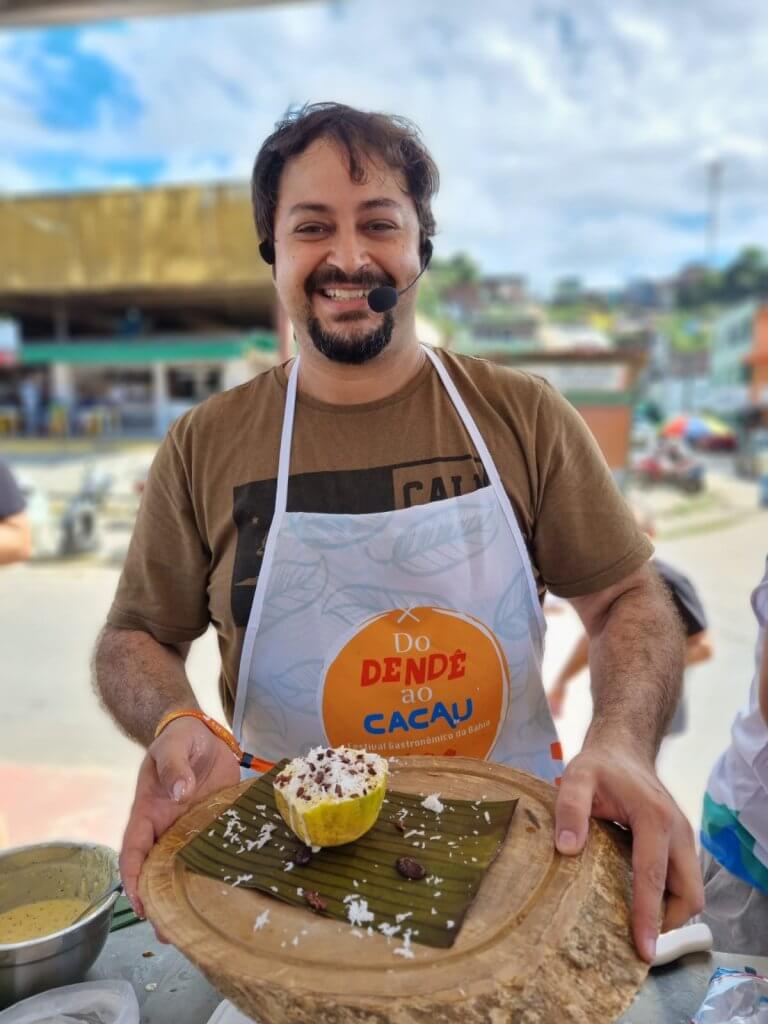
(250, 846)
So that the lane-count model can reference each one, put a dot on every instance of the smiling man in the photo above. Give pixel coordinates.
(372, 527)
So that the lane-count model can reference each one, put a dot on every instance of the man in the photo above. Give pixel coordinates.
(372, 527)
(15, 534)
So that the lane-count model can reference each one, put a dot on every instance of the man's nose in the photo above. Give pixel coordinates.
(348, 253)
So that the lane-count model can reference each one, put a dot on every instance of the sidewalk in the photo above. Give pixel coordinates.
(726, 501)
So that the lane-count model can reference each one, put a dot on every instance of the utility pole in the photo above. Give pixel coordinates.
(715, 181)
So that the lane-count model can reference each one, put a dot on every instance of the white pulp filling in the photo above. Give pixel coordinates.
(331, 773)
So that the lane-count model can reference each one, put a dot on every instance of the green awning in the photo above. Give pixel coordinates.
(143, 350)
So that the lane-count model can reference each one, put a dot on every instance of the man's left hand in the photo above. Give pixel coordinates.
(620, 785)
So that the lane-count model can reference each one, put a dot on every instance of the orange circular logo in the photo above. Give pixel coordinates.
(420, 681)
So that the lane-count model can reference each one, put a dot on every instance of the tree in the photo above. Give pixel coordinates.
(747, 276)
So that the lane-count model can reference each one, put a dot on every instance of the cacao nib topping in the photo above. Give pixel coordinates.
(399, 826)
(409, 867)
(315, 900)
(337, 789)
(300, 791)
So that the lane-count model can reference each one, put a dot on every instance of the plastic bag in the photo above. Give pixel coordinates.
(92, 1002)
(733, 997)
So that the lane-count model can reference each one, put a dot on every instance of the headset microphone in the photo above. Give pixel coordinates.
(385, 297)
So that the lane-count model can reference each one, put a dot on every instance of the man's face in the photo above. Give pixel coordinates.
(336, 240)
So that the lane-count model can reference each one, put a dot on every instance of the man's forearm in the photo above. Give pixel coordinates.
(139, 680)
(15, 543)
(636, 664)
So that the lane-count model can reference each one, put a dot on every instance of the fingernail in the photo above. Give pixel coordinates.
(178, 790)
(566, 840)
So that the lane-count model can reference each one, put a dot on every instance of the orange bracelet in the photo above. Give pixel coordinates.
(218, 730)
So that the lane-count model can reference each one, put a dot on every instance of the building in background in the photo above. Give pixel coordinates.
(739, 379)
(131, 305)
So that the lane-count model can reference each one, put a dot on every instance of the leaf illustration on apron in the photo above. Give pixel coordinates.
(335, 531)
(443, 541)
(356, 602)
(269, 723)
(511, 618)
(293, 586)
(296, 688)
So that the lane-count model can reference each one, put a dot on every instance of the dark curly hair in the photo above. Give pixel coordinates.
(395, 140)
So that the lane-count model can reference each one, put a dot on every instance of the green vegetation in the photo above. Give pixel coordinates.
(746, 277)
(689, 330)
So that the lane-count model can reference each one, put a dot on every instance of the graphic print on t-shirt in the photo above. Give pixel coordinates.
(418, 680)
(344, 492)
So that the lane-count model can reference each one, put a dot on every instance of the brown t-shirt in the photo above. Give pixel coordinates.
(199, 538)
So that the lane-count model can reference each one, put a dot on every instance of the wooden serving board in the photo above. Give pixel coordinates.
(547, 939)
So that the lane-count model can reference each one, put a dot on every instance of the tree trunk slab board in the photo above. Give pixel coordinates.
(546, 941)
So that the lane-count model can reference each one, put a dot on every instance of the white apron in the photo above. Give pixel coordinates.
(414, 631)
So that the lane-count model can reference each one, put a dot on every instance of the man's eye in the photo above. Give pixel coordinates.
(381, 226)
(311, 229)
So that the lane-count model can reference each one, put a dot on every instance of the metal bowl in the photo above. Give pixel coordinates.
(68, 870)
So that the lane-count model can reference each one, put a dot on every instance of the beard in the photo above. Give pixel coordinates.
(352, 347)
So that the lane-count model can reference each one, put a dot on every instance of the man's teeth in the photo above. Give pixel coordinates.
(344, 293)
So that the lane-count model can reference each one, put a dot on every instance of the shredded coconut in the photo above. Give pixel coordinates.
(389, 929)
(433, 803)
(265, 834)
(357, 910)
(405, 950)
(342, 772)
(402, 917)
(487, 817)
(242, 878)
(260, 921)
(450, 924)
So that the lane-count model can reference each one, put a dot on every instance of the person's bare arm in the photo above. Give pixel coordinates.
(576, 662)
(636, 659)
(139, 680)
(636, 653)
(698, 648)
(15, 539)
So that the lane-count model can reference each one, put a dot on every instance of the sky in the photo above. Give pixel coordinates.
(572, 138)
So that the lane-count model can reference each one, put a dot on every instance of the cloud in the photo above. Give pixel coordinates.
(571, 138)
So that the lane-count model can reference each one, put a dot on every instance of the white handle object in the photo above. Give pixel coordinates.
(691, 938)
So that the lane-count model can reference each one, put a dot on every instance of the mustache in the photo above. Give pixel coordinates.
(329, 277)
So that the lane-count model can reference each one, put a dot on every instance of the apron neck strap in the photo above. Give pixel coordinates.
(284, 462)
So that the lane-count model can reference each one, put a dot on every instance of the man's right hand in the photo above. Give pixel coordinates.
(183, 765)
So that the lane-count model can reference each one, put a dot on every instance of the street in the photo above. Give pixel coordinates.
(67, 771)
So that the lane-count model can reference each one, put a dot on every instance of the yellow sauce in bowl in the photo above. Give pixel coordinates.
(34, 920)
